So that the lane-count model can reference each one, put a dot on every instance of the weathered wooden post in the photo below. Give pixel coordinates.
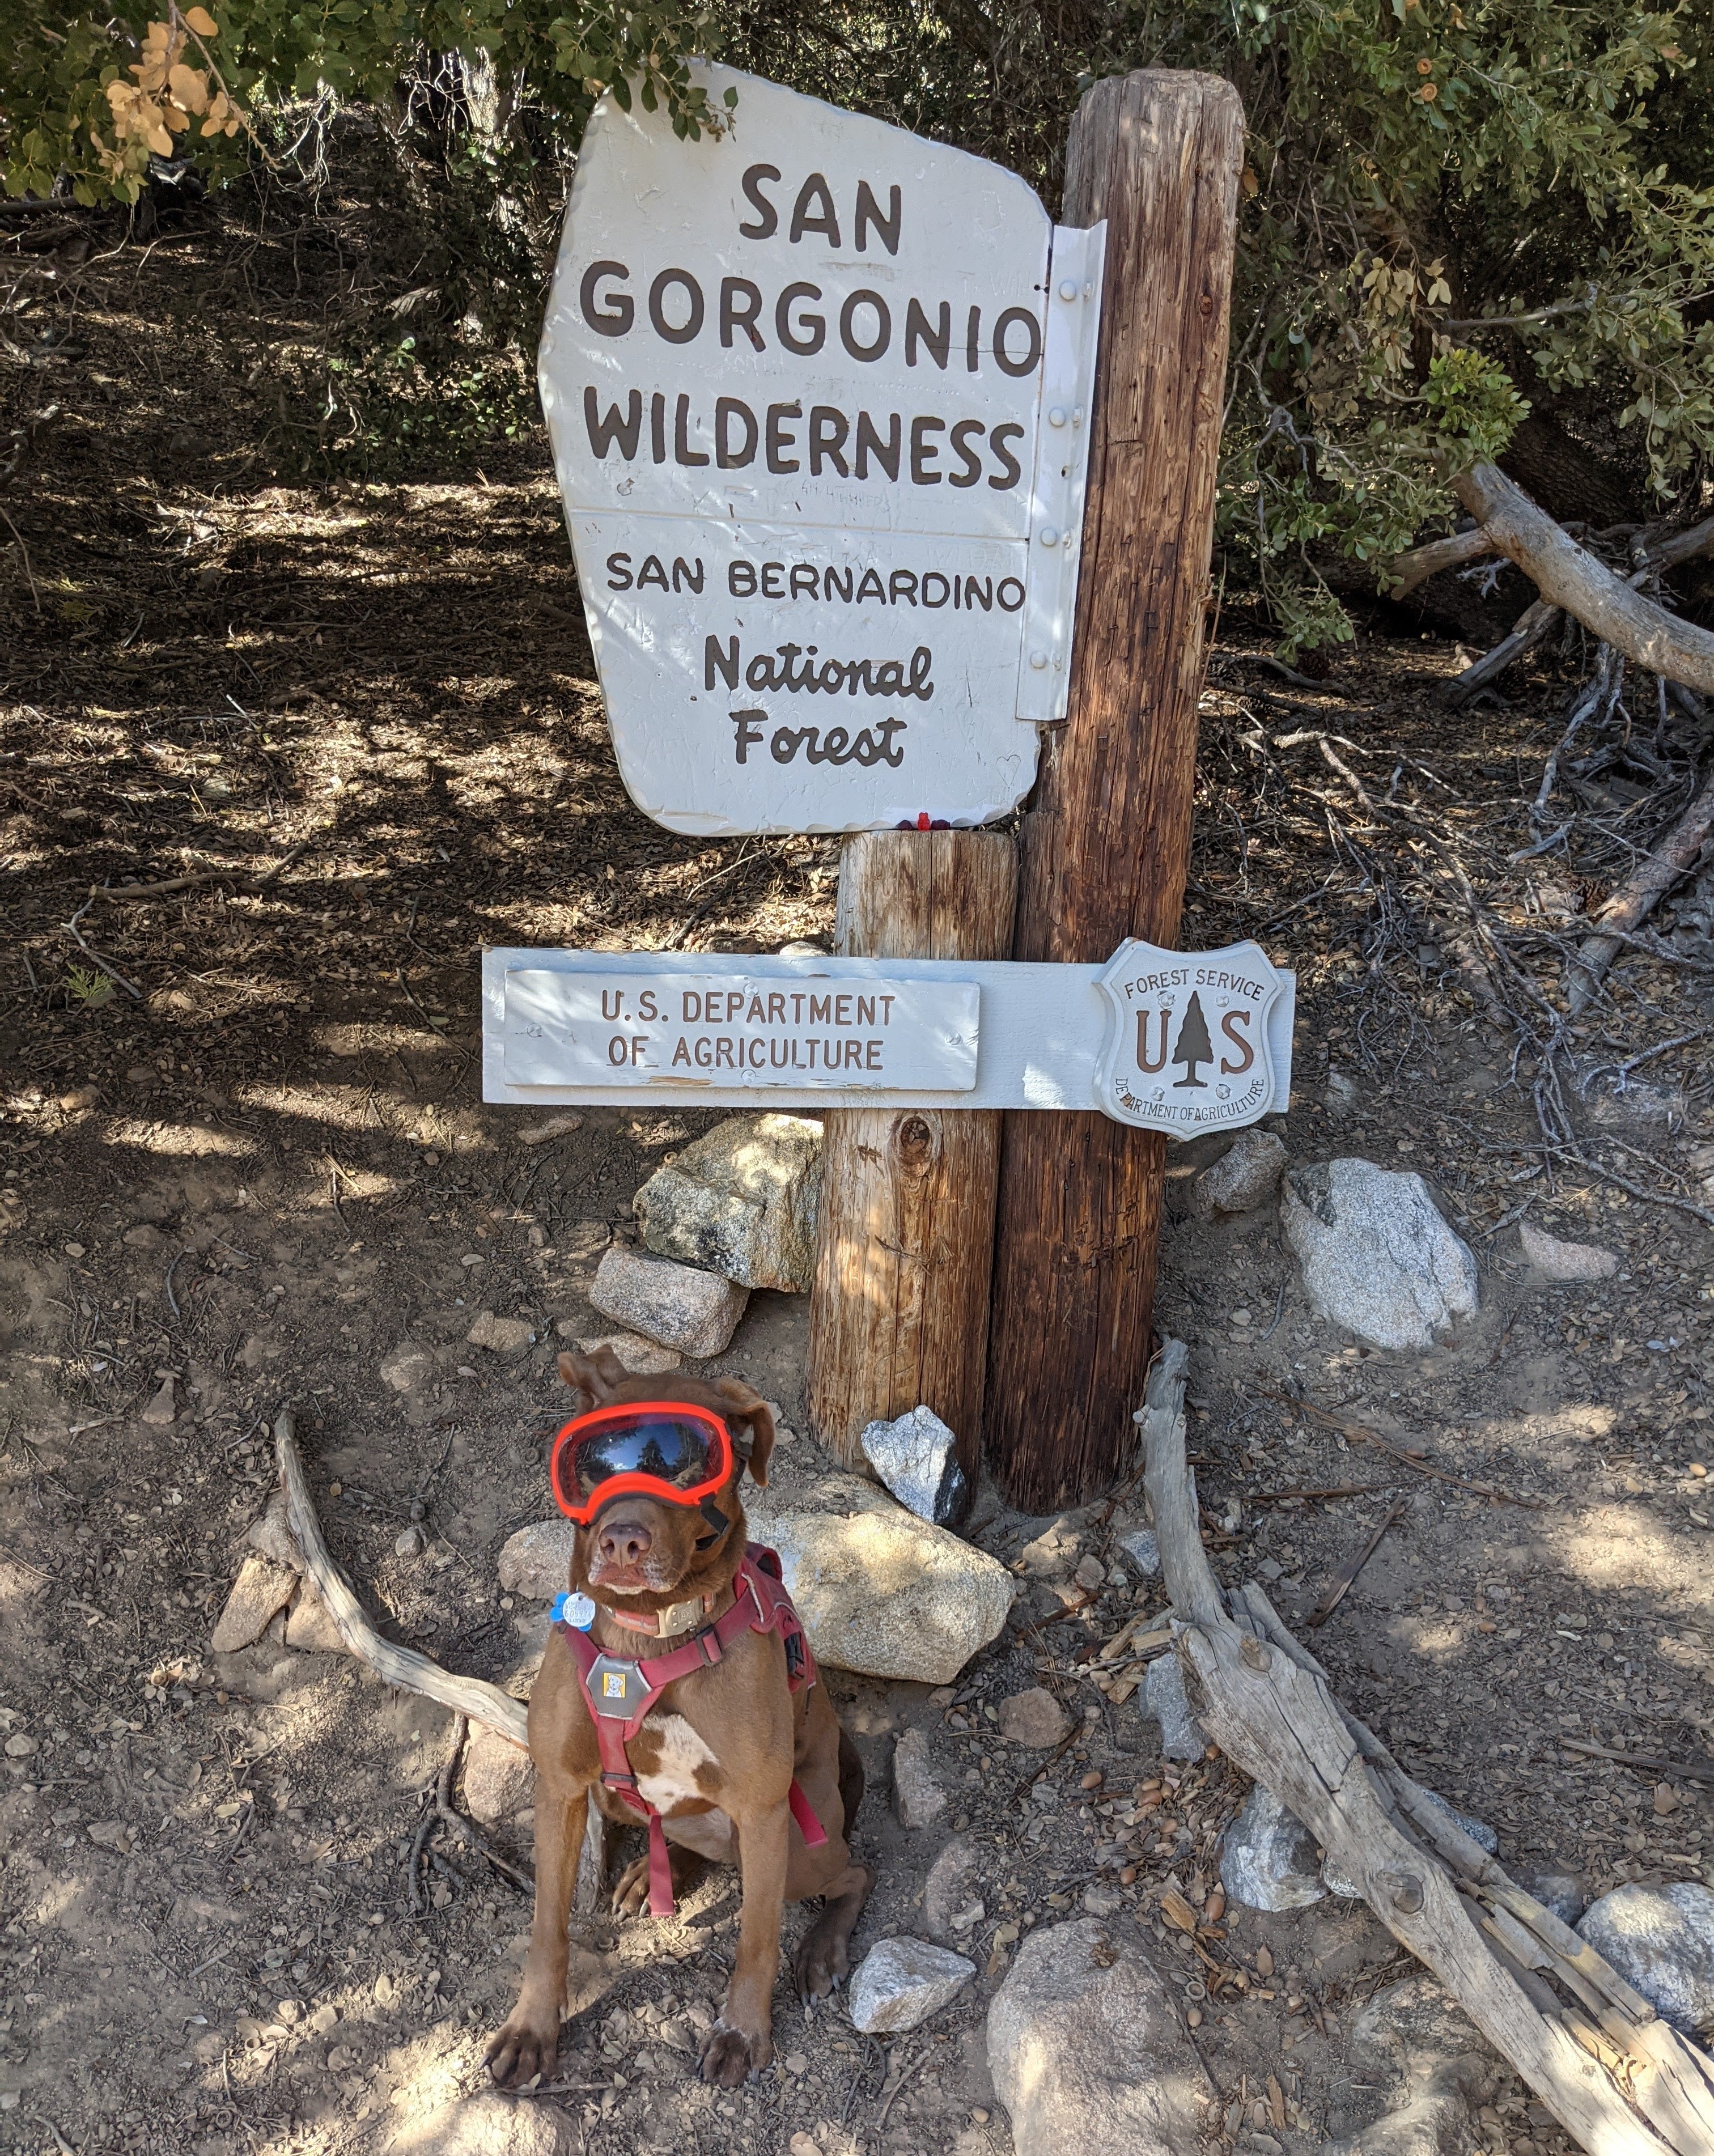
(898, 1315)
(1106, 843)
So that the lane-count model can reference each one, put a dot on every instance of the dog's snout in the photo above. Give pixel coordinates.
(623, 1542)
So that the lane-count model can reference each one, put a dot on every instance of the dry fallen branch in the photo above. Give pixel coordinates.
(1674, 858)
(1567, 575)
(1532, 626)
(1615, 2075)
(402, 1666)
(1408, 571)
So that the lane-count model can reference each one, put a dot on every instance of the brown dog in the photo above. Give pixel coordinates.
(717, 1755)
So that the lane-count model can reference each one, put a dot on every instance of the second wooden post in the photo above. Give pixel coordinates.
(899, 1311)
(1106, 839)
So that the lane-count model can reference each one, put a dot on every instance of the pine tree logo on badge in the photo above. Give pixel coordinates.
(1187, 1047)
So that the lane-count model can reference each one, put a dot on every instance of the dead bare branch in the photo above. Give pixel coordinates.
(1568, 576)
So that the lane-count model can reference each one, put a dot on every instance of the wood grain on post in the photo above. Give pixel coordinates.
(1106, 841)
(899, 1313)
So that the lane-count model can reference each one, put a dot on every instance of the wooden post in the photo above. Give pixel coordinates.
(899, 1313)
(1106, 839)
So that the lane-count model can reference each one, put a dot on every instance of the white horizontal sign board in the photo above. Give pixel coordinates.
(615, 1032)
(817, 391)
(1048, 1037)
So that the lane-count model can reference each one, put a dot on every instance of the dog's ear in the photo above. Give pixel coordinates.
(596, 1376)
(748, 1413)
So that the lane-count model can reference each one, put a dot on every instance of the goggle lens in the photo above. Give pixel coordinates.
(669, 1452)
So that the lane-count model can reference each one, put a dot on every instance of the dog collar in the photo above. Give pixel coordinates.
(663, 1623)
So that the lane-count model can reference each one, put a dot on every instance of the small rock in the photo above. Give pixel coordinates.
(556, 1127)
(1377, 1257)
(953, 1882)
(111, 1834)
(1242, 1179)
(696, 1312)
(1143, 1551)
(162, 1409)
(741, 1201)
(1090, 1573)
(901, 1981)
(1086, 2051)
(1102, 1901)
(408, 1367)
(410, 1541)
(1054, 1552)
(1268, 1858)
(914, 1456)
(1035, 1718)
(1661, 1939)
(19, 1745)
(641, 1357)
(270, 1536)
(499, 1781)
(504, 1336)
(918, 1798)
(880, 1591)
(1341, 1095)
(1163, 1701)
(261, 1591)
(536, 1561)
(1479, 1832)
(311, 1628)
(143, 1237)
(1562, 1893)
(1565, 1261)
(1445, 2067)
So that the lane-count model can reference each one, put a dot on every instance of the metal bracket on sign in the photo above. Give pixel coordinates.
(1073, 332)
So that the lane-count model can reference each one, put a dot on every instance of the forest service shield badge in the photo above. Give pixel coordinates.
(1188, 1047)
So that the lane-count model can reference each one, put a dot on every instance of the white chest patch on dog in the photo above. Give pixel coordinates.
(672, 1780)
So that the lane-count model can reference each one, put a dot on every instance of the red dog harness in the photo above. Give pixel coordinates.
(620, 1690)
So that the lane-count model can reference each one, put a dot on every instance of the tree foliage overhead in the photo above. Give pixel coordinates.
(1468, 226)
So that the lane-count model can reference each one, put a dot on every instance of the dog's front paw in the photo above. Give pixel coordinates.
(729, 2055)
(527, 2046)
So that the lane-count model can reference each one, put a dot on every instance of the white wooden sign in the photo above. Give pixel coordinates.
(967, 1033)
(817, 391)
(615, 1032)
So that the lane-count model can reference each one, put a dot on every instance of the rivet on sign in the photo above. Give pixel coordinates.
(1038, 660)
(1056, 415)
(1067, 288)
(1049, 536)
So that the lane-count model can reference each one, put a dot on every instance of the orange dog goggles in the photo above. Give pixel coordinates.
(663, 1449)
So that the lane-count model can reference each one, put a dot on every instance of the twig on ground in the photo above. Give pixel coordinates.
(1366, 1436)
(1345, 1577)
(1688, 1770)
(107, 966)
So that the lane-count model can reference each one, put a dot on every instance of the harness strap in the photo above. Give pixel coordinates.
(761, 1605)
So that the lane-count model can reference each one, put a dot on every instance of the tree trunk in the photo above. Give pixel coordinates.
(898, 1317)
(1106, 841)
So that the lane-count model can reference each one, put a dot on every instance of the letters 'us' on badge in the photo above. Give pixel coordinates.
(1193, 1038)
